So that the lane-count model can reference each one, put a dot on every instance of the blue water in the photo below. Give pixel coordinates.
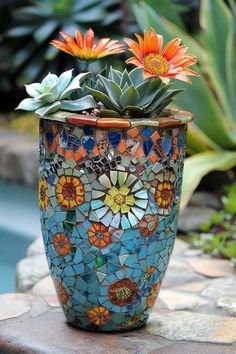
(19, 226)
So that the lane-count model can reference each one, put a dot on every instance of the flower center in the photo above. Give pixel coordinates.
(151, 226)
(69, 191)
(166, 194)
(43, 193)
(156, 64)
(123, 293)
(119, 199)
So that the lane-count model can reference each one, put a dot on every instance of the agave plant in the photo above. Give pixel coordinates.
(128, 94)
(212, 98)
(54, 93)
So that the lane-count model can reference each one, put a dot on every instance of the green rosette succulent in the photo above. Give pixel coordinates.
(127, 94)
(54, 93)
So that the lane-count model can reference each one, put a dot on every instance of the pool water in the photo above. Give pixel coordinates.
(19, 226)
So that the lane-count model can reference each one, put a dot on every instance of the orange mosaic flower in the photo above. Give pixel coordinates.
(99, 315)
(69, 191)
(61, 244)
(43, 193)
(164, 194)
(148, 225)
(167, 63)
(83, 47)
(123, 292)
(151, 298)
(61, 292)
(99, 235)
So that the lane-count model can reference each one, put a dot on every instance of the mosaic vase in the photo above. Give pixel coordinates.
(109, 193)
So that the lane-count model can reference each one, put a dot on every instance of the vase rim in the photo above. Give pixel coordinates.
(172, 118)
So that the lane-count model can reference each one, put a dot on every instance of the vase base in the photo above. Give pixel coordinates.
(102, 329)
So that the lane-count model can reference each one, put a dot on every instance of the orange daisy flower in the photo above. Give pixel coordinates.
(43, 193)
(99, 315)
(61, 292)
(83, 47)
(123, 292)
(164, 194)
(99, 235)
(61, 244)
(167, 63)
(69, 192)
(151, 298)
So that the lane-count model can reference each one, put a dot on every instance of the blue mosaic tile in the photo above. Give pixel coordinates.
(107, 225)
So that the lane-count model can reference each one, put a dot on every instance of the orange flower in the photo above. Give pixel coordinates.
(61, 292)
(148, 225)
(167, 63)
(83, 47)
(61, 244)
(123, 292)
(153, 295)
(164, 194)
(99, 235)
(43, 193)
(99, 315)
(69, 192)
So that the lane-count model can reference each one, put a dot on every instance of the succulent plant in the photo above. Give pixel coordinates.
(128, 94)
(54, 93)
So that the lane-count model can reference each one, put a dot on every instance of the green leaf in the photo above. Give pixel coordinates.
(104, 99)
(136, 76)
(125, 79)
(74, 85)
(200, 165)
(43, 111)
(115, 75)
(167, 9)
(20, 31)
(80, 104)
(198, 141)
(29, 104)
(64, 80)
(130, 97)
(112, 89)
(45, 31)
(214, 37)
(231, 64)
(34, 89)
(108, 113)
(199, 99)
(133, 111)
(152, 91)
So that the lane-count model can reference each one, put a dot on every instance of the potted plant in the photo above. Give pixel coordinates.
(110, 176)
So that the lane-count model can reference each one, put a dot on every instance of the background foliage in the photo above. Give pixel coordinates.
(27, 26)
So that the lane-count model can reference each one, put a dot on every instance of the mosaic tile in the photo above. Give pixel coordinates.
(109, 200)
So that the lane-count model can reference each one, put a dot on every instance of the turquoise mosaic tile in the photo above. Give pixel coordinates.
(109, 202)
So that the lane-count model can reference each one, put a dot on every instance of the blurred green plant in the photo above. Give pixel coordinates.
(35, 25)
(212, 98)
(218, 234)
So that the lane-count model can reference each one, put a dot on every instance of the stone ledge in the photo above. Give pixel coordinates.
(41, 329)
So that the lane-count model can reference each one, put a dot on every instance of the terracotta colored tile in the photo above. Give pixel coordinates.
(155, 136)
(95, 150)
(212, 268)
(77, 156)
(84, 120)
(153, 158)
(122, 146)
(68, 154)
(133, 132)
(169, 122)
(139, 152)
(60, 150)
(82, 151)
(113, 122)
